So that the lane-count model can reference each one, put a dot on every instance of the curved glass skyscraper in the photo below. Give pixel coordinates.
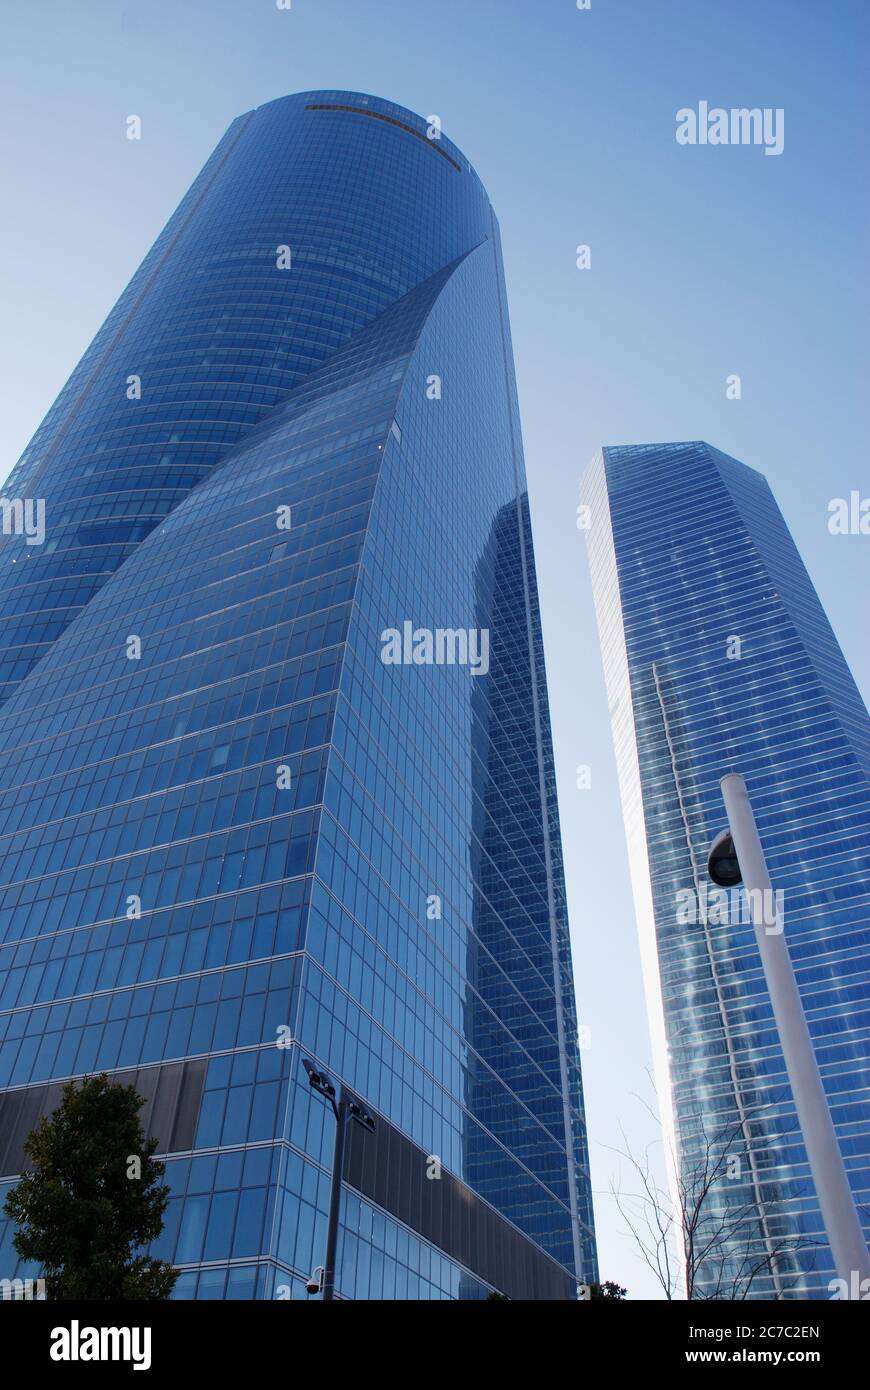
(719, 658)
(276, 776)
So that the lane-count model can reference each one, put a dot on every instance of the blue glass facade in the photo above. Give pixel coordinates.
(719, 658)
(231, 832)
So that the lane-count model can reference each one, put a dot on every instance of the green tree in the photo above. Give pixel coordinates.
(93, 1199)
(607, 1290)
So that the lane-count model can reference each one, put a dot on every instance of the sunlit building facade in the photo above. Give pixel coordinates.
(236, 834)
(718, 658)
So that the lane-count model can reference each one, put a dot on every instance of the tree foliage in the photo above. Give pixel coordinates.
(92, 1199)
(609, 1289)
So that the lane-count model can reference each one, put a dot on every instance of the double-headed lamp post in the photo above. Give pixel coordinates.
(345, 1107)
(736, 856)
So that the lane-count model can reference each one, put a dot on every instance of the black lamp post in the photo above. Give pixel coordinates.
(345, 1107)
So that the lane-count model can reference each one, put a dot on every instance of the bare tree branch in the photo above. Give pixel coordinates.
(725, 1248)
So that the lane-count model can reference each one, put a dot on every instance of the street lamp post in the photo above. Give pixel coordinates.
(737, 855)
(345, 1107)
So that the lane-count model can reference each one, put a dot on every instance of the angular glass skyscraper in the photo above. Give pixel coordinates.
(236, 832)
(719, 658)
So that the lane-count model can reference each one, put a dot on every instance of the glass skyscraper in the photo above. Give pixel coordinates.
(719, 658)
(276, 775)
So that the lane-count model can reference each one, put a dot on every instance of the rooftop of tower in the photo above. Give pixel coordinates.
(621, 452)
(389, 112)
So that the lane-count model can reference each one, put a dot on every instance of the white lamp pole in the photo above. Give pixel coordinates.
(843, 1228)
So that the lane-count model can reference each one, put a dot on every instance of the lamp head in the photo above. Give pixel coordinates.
(319, 1080)
(722, 866)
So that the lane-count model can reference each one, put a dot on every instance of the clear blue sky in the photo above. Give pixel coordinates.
(705, 262)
